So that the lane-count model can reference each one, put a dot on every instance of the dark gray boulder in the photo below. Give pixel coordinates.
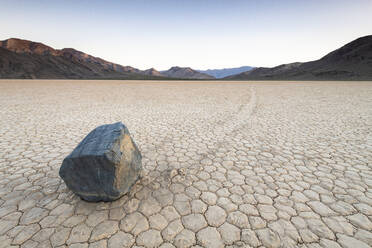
(105, 164)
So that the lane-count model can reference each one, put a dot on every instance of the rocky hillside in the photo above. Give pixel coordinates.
(27, 59)
(353, 61)
(185, 72)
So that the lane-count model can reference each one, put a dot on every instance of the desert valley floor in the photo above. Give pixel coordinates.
(235, 164)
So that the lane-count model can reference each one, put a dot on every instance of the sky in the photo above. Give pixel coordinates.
(204, 34)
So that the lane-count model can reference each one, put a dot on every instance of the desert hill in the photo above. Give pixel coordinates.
(353, 61)
(27, 59)
(185, 72)
(152, 72)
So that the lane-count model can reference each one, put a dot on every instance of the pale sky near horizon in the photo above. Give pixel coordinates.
(201, 34)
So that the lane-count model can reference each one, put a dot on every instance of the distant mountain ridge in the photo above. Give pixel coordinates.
(221, 73)
(185, 72)
(352, 61)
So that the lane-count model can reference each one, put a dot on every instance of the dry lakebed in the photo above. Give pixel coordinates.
(225, 164)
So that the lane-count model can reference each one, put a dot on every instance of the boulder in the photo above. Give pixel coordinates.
(105, 164)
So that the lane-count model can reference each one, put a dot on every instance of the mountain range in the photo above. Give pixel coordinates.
(28, 59)
(352, 61)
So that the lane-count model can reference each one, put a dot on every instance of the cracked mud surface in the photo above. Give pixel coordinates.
(226, 164)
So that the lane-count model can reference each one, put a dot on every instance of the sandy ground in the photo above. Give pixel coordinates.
(240, 164)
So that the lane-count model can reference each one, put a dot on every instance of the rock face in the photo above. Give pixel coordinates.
(105, 164)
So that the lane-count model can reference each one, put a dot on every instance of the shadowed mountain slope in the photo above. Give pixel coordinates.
(353, 61)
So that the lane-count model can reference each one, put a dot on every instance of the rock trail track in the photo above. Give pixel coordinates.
(226, 164)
